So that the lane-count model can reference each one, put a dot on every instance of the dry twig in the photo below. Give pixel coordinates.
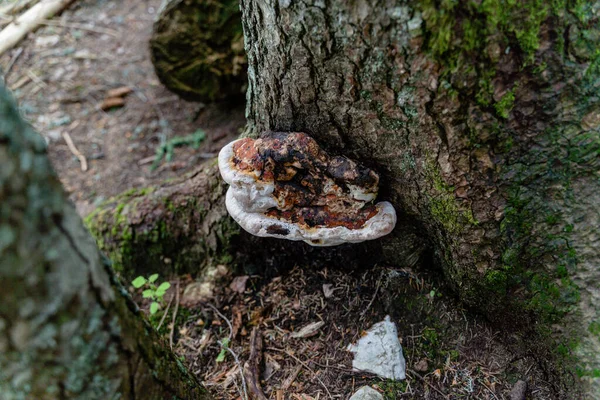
(29, 21)
(75, 151)
(165, 314)
(252, 366)
(174, 315)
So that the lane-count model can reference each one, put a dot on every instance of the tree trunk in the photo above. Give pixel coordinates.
(68, 329)
(197, 49)
(483, 119)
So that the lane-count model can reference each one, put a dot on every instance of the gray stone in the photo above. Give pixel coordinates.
(366, 393)
(518, 391)
(380, 352)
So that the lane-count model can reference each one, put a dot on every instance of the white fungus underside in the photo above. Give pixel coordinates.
(248, 198)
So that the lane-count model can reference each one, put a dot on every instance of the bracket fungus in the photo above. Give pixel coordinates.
(285, 186)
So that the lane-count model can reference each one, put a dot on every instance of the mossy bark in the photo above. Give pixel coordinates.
(178, 226)
(483, 119)
(197, 49)
(68, 329)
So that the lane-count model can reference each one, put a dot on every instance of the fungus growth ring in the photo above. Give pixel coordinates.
(285, 186)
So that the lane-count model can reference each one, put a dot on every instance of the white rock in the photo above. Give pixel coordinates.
(380, 352)
(366, 393)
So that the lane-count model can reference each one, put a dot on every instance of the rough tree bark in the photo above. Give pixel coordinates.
(68, 329)
(483, 118)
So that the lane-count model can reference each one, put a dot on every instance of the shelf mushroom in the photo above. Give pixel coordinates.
(285, 186)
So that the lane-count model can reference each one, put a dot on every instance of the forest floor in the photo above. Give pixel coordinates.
(63, 73)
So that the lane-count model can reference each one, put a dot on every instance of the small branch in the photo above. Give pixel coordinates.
(76, 153)
(252, 366)
(224, 318)
(29, 21)
(174, 315)
(165, 314)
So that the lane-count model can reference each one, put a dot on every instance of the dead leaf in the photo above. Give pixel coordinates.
(237, 320)
(238, 284)
(328, 290)
(302, 396)
(119, 92)
(271, 366)
(291, 378)
(112, 102)
(309, 330)
(422, 365)
(197, 292)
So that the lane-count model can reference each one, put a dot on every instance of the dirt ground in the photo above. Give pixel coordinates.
(62, 74)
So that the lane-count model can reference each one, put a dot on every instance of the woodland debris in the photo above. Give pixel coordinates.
(112, 102)
(119, 92)
(29, 21)
(238, 284)
(328, 290)
(309, 330)
(379, 351)
(291, 378)
(252, 366)
(421, 365)
(366, 393)
(16, 7)
(75, 151)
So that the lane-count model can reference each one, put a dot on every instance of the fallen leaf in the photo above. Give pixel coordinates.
(237, 321)
(271, 366)
(238, 284)
(112, 102)
(422, 365)
(197, 292)
(309, 330)
(291, 378)
(328, 290)
(303, 396)
(119, 92)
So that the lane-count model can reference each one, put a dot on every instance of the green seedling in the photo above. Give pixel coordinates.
(154, 293)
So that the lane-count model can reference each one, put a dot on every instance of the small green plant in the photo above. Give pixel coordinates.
(223, 353)
(166, 149)
(152, 292)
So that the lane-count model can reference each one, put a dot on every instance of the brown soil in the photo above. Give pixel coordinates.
(62, 74)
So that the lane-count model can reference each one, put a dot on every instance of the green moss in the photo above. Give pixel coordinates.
(505, 105)
(444, 207)
(392, 390)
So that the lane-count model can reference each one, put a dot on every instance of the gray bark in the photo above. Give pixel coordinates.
(483, 119)
(68, 329)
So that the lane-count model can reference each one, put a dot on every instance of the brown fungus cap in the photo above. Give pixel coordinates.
(284, 185)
